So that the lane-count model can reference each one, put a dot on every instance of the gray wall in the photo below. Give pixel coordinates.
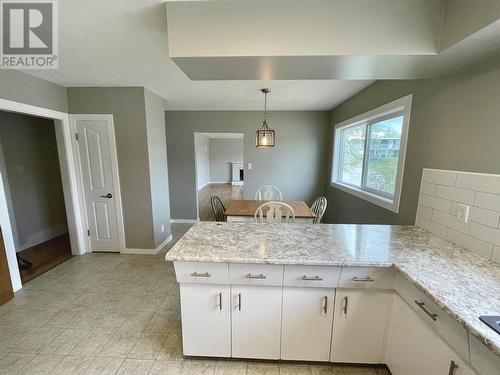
(32, 178)
(23, 88)
(222, 153)
(455, 124)
(157, 150)
(127, 106)
(202, 160)
(297, 164)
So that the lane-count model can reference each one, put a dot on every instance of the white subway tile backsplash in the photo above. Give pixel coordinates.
(425, 212)
(456, 194)
(496, 254)
(488, 200)
(439, 177)
(475, 245)
(431, 226)
(483, 216)
(440, 194)
(479, 182)
(429, 189)
(435, 203)
(450, 221)
(485, 233)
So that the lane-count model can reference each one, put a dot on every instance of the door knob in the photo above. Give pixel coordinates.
(109, 195)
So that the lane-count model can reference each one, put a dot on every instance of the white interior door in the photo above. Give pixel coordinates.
(98, 180)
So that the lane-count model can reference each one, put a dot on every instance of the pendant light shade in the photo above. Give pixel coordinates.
(265, 137)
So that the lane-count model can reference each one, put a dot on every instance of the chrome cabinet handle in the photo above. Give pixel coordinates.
(346, 302)
(453, 367)
(220, 301)
(313, 278)
(239, 301)
(325, 306)
(196, 274)
(367, 279)
(259, 277)
(424, 309)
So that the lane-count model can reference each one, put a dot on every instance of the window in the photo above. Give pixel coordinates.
(369, 153)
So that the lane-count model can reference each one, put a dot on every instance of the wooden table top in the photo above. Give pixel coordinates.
(248, 208)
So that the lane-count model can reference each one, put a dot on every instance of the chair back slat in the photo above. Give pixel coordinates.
(217, 208)
(319, 208)
(268, 193)
(275, 212)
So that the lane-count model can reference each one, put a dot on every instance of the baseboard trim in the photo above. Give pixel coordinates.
(155, 251)
(184, 221)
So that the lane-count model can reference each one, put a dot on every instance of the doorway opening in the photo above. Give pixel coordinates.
(219, 166)
(33, 187)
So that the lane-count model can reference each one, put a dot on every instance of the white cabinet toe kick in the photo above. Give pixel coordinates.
(362, 315)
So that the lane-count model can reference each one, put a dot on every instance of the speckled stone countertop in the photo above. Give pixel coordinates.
(463, 284)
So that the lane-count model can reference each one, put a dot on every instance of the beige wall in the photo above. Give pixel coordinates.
(128, 109)
(32, 179)
(297, 164)
(26, 89)
(158, 173)
(223, 152)
(455, 124)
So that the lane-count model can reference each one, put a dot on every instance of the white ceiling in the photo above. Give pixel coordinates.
(125, 43)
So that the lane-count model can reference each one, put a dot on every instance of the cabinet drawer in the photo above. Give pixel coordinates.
(443, 324)
(256, 274)
(482, 359)
(312, 276)
(203, 273)
(367, 277)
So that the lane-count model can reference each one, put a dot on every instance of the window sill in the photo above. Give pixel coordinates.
(388, 204)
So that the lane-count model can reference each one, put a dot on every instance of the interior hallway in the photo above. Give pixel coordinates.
(226, 192)
(114, 314)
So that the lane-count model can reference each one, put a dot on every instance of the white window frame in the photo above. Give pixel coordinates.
(390, 202)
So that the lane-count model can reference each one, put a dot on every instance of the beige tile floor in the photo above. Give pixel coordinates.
(113, 314)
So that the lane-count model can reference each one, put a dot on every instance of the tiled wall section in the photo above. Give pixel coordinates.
(440, 194)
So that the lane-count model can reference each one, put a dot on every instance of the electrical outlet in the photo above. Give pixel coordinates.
(163, 228)
(463, 212)
(249, 166)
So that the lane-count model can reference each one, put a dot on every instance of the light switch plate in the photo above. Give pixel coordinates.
(249, 166)
(463, 212)
(163, 228)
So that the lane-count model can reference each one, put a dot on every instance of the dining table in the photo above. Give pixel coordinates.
(244, 211)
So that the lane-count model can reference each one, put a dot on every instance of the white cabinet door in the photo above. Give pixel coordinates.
(307, 323)
(206, 320)
(359, 325)
(256, 321)
(414, 348)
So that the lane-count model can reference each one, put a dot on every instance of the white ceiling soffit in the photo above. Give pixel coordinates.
(105, 45)
(329, 39)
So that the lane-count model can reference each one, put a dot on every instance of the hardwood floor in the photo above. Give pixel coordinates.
(6, 292)
(226, 192)
(45, 256)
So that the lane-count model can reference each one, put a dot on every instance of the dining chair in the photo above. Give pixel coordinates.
(318, 208)
(217, 208)
(277, 212)
(268, 193)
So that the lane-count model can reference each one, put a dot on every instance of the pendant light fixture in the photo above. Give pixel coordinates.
(265, 137)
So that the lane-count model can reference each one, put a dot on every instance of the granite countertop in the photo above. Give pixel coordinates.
(463, 284)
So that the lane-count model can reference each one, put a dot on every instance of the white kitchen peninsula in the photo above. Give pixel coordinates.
(337, 293)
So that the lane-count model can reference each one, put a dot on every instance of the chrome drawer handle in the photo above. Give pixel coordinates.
(196, 274)
(424, 309)
(325, 306)
(259, 277)
(314, 278)
(367, 279)
(453, 367)
(220, 301)
(346, 302)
